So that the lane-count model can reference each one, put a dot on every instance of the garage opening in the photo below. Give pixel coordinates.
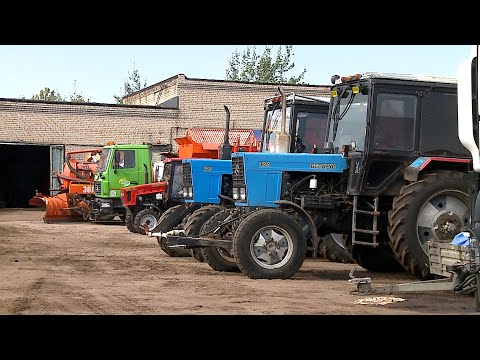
(24, 169)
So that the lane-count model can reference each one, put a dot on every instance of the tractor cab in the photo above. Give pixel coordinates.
(173, 178)
(384, 122)
(306, 121)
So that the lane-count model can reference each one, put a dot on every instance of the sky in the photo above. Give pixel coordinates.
(99, 71)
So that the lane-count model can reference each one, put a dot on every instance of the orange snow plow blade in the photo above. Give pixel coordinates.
(57, 208)
(75, 182)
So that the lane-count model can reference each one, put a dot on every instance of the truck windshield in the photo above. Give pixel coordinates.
(273, 127)
(102, 163)
(348, 118)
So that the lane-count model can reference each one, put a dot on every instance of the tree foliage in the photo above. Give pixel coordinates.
(77, 96)
(132, 84)
(252, 67)
(48, 95)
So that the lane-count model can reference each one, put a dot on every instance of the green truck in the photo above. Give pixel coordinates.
(120, 166)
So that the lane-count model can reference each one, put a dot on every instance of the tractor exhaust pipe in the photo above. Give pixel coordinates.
(282, 139)
(225, 150)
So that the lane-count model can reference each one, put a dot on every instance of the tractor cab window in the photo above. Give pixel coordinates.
(348, 119)
(158, 171)
(310, 135)
(273, 127)
(394, 121)
(167, 170)
(177, 181)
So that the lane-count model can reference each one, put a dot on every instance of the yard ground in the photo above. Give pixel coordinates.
(100, 269)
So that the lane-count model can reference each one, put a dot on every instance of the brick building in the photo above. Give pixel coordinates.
(34, 135)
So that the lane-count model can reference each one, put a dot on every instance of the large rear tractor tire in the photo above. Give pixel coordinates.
(332, 248)
(129, 217)
(376, 259)
(220, 259)
(434, 208)
(194, 224)
(146, 216)
(172, 212)
(269, 244)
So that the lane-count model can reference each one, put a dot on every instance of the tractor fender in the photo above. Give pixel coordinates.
(152, 206)
(413, 170)
(308, 219)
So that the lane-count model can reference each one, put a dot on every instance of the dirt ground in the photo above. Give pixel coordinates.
(88, 268)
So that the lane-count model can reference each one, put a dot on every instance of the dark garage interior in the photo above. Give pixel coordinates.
(24, 169)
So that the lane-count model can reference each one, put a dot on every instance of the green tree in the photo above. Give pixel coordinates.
(132, 84)
(78, 97)
(48, 95)
(251, 67)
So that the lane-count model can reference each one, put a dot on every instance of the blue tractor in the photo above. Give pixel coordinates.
(207, 186)
(390, 177)
(305, 121)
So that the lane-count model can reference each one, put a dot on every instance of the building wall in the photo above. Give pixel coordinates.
(90, 125)
(155, 94)
(202, 102)
(82, 125)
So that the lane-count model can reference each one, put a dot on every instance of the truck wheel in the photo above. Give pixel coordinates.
(195, 222)
(219, 258)
(434, 208)
(146, 216)
(129, 216)
(172, 212)
(332, 248)
(269, 244)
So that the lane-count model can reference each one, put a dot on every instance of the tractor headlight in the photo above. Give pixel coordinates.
(159, 196)
(243, 194)
(235, 193)
(190, 192)
(105, 205)
(185, 192)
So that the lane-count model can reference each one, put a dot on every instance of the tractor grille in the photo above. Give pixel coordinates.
(238, 173)
(187, 174)
(98, 187)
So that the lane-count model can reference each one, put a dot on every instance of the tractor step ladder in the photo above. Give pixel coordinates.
(374, 232)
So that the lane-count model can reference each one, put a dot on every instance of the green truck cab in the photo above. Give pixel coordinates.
(119, 166)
